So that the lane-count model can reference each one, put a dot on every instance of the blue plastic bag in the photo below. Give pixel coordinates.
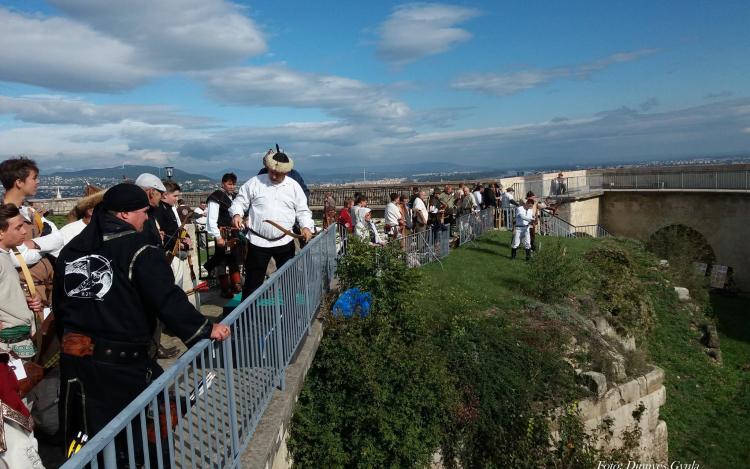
(351, 301)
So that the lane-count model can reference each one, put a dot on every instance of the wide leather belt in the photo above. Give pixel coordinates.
(264, 237)
(103, 350)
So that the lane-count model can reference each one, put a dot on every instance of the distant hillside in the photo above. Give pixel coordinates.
(354, 173)
(132, 172)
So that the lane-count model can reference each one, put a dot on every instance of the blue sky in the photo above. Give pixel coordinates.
(211, 84)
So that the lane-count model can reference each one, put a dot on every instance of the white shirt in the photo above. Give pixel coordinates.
(212, 224)
(392, 214)
(199, 217)
(281, 203)
(68, 232)
(477, 197)
(507, 197)
(419, 207)
(47, 244)
(524, 216)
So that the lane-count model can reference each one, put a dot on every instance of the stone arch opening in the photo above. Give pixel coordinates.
(679, 241)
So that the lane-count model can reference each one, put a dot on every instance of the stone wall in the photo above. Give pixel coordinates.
(721, 217)
(619, 402)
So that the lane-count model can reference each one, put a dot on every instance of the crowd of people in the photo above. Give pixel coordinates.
(440, 211)
(72, 360)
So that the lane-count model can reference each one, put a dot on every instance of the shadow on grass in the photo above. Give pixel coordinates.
(733, 317)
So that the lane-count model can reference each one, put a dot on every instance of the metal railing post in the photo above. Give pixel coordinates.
(279, 335)
(636, 181)
(307, 293)
(229, 372)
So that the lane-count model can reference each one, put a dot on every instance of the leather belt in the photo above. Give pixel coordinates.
(264, 237)
(103, 350)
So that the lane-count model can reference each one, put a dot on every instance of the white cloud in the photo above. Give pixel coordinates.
(507, 84)
(61, 54)
(280, 86)
(417, 30)
(174, 35)
(110, 46)
(722, 127)
(59, 110)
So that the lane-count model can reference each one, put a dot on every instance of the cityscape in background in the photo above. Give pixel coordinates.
(72, 184)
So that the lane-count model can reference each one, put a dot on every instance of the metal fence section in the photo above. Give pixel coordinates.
(202, 411)
(737, 180)
(475, 224)
(425, 247)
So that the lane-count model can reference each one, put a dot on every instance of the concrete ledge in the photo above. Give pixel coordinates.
(268, 441)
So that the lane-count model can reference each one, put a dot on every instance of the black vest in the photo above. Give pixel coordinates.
(225, 202)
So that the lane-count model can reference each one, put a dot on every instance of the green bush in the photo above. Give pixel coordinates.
(509, 389)
(381, 271)
(378, 394)
(553, 274)
(619, 292)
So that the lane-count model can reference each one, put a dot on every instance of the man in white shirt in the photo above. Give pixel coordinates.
(524, 221)
(420, 213)
(277, 198)
(393, 220)
(478, 195)
(200, 214)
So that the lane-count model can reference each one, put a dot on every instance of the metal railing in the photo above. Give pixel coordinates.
(475, 224)
(235, 379)
(727, 180)
(431, 245)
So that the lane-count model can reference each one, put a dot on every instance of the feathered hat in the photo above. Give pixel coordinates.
(277, 161)
(83, 204)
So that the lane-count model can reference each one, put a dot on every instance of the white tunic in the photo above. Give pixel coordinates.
(281, 203)
(524, 216)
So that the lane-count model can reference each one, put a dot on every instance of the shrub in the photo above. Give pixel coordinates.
(619, 292)
(513, 387)
(381, 271)
(378, 394)
(553, 274)
(370, 400)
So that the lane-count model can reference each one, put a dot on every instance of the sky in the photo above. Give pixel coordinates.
(205, 85)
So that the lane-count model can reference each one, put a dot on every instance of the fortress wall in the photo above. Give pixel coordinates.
(722, 218)
(618, 404)
(582, 212)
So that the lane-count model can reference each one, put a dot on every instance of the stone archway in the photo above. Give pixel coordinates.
(681, 241)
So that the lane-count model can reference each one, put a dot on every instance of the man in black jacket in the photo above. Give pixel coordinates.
(110, 288)
(489, 200)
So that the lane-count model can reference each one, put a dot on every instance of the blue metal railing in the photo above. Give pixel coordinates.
(239, 377)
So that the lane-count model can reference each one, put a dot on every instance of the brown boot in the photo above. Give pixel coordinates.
(225, 283)
(236, 282)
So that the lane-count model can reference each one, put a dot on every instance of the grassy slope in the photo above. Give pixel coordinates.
(707, 406)
(481, 277)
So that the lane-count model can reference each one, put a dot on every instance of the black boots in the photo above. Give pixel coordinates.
(225, 283)
(528, 254)
(513, 253)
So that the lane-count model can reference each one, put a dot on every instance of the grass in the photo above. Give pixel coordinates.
(708, 406)
(482, 277)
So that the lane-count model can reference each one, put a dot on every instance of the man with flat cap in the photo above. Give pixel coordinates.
(111, 287)
(270, 197)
